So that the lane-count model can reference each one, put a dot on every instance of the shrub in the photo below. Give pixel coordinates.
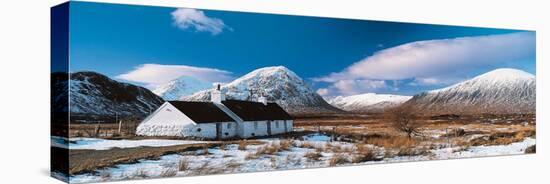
(337, 159)
(183, 165)
(314, 156)
(292, 159)
(233, 165)
(412, 151)
(286, 144)
(223, 146)
(307, 144)
(141, 173)
(404, 120)
(168, 173)
(394, 142)
(364, 154)
(242, 145)
(269, 149)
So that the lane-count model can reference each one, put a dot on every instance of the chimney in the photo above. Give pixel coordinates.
(262, 99)
(217, 96)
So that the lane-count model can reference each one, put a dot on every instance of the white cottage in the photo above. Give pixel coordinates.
(218, 119)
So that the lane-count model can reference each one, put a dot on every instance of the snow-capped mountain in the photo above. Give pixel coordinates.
(92, 95)
(279, 85)
(499, 91)
(368, 102)
(181, 87)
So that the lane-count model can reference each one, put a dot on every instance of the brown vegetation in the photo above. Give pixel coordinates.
(404, 120)
(338, 159)
(89, 160)
(183, 165)
(313, 155)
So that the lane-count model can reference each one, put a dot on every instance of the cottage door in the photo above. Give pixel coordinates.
(219, 130)
(268, 127)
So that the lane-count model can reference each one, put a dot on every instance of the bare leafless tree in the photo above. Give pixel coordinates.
(403, 119)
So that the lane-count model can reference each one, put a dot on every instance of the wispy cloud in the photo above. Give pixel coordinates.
(185, 18)
(438, 61)
(153, 75)
(352, 87)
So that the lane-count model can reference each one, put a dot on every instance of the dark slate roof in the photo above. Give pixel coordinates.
(256, 111)
(202, 112)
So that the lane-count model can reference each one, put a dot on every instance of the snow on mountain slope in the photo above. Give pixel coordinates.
(279, 85)
(181, 87)
(92, 95)
(368, 102)
(502, 90)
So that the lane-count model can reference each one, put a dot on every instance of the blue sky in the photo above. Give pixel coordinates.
(152, 45)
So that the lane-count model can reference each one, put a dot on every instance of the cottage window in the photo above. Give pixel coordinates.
(255, 125)
(228, 125)
(277, 124)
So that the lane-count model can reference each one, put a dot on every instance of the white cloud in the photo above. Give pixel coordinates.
(323, 91)
(185, 18)
(439, 58)
(352, 87)
(155, 74)
(429, 81)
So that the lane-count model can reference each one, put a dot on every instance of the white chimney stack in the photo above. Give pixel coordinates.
(262, 99)
(217, 96)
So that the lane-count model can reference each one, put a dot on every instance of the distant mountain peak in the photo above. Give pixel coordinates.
(94, 95)
(180, 87)
(502, 90)
(279, 84)
(368, 102)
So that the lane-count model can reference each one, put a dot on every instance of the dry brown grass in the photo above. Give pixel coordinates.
(394, 142)
(292, 159)
(268, 149)
(233, 165)
(242, 145)
(286, 144)
(273, 162)
(364, 154)
(183, 164)
(313, 155)
(223, 146)
(338, 159)
(413, 151)
(168, 173)
(141, 173)
(501, 138)
(250, 156)
(307, 144)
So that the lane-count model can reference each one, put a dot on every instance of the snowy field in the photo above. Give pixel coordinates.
(311, 152)
(104, 144)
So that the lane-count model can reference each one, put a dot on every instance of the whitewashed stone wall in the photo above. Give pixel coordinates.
(229, 131)
(277, 127)
(289, 125)
(248, 129)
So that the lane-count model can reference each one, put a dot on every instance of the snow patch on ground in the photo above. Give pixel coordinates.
(232, 160)
(317, 137)
(104, 144)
